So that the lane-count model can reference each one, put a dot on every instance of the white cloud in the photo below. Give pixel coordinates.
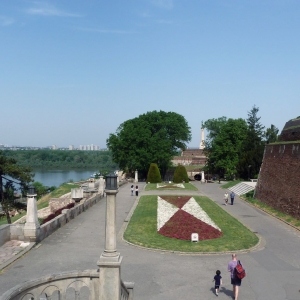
(166, 4)
(45, 9)
(6, 21)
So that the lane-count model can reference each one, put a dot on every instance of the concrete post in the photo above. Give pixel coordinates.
(101, 186)
(202, 139)
(136, 176)
(32, 223)
(110, 260)
(202, 176)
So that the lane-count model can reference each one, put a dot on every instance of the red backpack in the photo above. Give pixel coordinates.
(239, 271)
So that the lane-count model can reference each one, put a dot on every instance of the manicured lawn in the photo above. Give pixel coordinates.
(272, 211)
(230, 184)
(187, 186)
(142, 230)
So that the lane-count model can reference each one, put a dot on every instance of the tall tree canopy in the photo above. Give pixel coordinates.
(236, 146)
(153, 137)
(252, 155)
(11, 174)
(272, 134)
(224, 144)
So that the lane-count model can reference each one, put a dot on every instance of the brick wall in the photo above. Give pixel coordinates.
(291, 131)
(279, 179)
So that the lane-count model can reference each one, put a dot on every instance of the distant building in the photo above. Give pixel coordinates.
(71, 147)
(192, 156)
(54, 147)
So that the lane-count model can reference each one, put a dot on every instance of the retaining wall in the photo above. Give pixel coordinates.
(16, 231)
(279, 179)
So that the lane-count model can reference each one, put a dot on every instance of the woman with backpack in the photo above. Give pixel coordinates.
(235, 280)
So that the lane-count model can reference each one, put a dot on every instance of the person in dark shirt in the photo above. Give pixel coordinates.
(218, 281)
(232, 194)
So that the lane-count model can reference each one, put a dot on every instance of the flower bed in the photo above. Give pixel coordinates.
(180, 216)
(170, 186)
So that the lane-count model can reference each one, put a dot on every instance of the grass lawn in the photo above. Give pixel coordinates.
(142, 230)
(153, 186)
(61, 190)
(230, 184)
(44, 201)
(272, 211)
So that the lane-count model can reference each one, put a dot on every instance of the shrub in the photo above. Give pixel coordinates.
(57, 213)
(153, 174)
(49, 218)
(180, 174)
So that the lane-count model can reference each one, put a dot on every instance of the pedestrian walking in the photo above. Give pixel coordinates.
(218, 281)
(132, 189)
(136, 190)
(226, 198)
(235, 281)
(232, 194)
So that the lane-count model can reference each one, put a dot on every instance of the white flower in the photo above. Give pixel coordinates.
(166, 210)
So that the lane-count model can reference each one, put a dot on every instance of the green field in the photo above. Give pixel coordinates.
(142, 230)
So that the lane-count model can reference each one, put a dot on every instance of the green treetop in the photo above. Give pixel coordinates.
(10, 174)
(153, 137)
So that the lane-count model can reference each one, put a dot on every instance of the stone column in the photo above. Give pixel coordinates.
(202, 176)
(101, 186)
(202, 139)
(32, 225)
(110, 260)
(136, 176)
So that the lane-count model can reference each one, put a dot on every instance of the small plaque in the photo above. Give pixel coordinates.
(194, 237)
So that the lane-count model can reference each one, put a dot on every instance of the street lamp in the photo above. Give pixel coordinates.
(111, 182)
(249, 172)
(110, 260)
(31, 191)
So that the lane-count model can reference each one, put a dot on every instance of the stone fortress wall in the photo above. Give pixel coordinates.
(279, 179)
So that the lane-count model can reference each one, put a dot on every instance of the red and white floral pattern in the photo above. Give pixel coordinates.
(180, 216)
(162, 185)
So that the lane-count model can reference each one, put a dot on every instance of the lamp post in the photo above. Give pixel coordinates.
(249, 172)
(110, 260)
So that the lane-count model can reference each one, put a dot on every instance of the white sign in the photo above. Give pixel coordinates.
(194, 237)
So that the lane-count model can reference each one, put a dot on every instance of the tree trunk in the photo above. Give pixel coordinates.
(8, 217)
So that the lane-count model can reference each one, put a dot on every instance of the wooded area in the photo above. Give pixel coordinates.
(52, 159)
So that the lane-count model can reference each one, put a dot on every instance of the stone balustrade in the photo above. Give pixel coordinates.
(64, 286)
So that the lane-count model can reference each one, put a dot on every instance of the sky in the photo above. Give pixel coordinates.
(72, 71)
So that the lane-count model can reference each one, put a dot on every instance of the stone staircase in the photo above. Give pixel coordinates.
(243, 187)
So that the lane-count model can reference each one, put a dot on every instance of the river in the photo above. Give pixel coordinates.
(57, 177)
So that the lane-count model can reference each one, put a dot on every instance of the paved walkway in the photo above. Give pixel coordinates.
(272, 272)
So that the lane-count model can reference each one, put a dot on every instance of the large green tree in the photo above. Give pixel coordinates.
(224, 145)
(271, 134)
(252, 155)
(153, 137)
(12, 174)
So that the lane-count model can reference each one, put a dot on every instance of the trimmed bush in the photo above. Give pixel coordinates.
(180, 175)
(153, 174)
(57, 213)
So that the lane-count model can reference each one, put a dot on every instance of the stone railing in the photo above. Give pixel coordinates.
(64, 286)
